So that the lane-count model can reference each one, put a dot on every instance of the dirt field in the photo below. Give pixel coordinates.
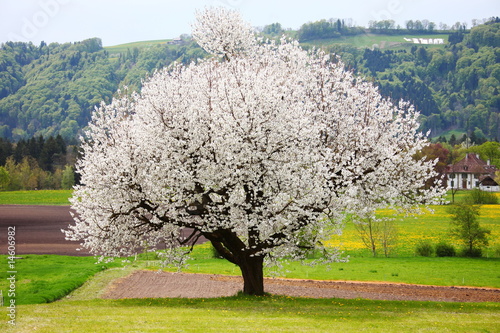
(153, 284)
(38, 229)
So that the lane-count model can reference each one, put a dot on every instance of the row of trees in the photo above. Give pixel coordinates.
(326, 29)
(27, 175)
(37, 163)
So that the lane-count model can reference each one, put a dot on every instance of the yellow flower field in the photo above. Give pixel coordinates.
(429, 226)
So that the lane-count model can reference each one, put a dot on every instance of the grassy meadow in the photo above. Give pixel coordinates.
(41, 197)
(77, 283)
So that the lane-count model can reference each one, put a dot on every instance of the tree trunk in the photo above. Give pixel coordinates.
(253, 274)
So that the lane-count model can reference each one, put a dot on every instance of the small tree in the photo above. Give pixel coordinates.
(262, 149)
(68, 178)
(377, 233)
(465, 227)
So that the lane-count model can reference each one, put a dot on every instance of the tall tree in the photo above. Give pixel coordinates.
(262, 149)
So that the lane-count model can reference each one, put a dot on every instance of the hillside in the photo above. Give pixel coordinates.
(52, 89)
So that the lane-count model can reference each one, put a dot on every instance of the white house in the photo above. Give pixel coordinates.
(472, 172)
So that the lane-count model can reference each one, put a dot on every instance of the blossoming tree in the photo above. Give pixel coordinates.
(262, 148)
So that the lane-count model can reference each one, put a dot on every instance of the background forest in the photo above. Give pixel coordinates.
(48, 92)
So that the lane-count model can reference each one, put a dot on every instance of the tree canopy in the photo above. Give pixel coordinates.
(261, 148)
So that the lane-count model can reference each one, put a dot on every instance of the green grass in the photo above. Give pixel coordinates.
(122, 48)
(83, 311)
(418, 270)
(458, 134)
(46, 278)
(256, 314)
(430, 226)
(42, 197)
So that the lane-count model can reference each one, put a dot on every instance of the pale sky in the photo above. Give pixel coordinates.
(124, 21)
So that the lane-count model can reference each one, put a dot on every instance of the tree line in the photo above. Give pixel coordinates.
(37, 163)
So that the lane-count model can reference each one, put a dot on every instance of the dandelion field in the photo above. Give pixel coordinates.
(432, 226)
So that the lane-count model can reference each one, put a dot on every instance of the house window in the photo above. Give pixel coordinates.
(452, 176)
(477, 184)
(452, 183)
(464, 176)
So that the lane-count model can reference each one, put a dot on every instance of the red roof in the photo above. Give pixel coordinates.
(471, 163)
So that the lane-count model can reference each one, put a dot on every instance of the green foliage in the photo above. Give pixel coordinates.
(68, 178)
(52, 89)
(445, 250)
(465, 227)
(471, 252)
(479, 197)
(424, 249)
(37, 163)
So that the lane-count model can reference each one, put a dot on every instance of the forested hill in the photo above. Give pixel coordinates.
(51, 90)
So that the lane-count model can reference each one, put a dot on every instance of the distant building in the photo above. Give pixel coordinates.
(425, 40)
(472, 172)
(176, 41)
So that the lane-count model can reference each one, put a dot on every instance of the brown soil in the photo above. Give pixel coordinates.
(158, 284)
(38, 229)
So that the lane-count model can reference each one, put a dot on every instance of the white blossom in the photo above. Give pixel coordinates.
(262, 152)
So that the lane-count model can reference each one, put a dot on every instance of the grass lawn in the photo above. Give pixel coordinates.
(41, 197)
(256, 314)
(46, 278)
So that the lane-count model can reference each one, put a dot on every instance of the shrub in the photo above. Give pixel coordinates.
(424, 249)
(475, 252)
(445, 250)
(496, 251)
(479, 197)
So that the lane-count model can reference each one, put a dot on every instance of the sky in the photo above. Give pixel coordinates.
(123, 21)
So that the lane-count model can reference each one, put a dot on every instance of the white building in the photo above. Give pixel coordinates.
(472, 172)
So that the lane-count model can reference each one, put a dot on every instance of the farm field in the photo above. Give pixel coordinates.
(390, 42)
(84, 311)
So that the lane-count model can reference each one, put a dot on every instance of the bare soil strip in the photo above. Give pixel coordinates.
(158, 284)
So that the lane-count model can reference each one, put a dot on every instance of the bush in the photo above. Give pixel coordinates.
(478, 197)
(496, 251)
(424, 249)
(445, 250)
(471, 253)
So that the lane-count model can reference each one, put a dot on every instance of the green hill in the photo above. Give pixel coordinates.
(52, 89)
